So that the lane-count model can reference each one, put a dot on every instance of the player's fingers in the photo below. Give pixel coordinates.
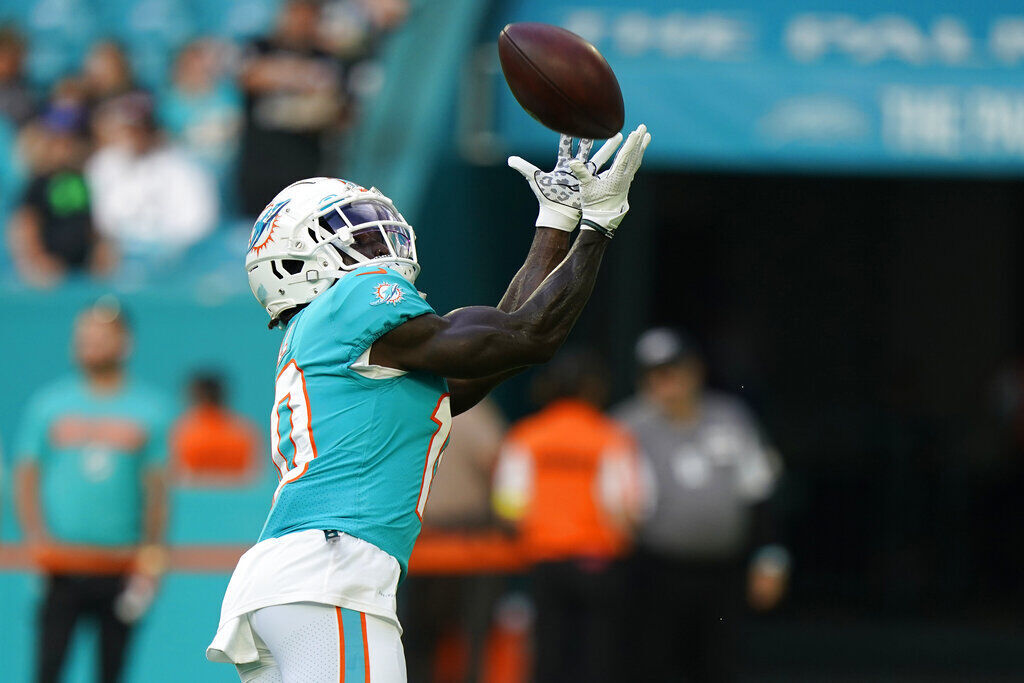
(602, 155)
(635, 143)
(523, 166)
(584, 149)
(638, 154)
(643, 148)
(564, 147)
(580, 170)
(643, 139)
(625, 154)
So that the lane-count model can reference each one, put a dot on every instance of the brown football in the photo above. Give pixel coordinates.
(561, 80)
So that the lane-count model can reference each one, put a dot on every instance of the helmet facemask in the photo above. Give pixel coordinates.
(368, 231)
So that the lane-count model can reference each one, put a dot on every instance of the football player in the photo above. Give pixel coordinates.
(368, 378)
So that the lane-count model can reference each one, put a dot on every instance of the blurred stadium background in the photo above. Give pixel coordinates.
(831, 207)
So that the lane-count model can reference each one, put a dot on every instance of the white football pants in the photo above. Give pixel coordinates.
(309, 642)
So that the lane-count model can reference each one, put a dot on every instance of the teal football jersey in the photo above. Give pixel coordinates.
(355, 453)
(92, 451)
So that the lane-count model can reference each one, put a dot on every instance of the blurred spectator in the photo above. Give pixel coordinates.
(293, 97)
(352, 30)
(52, 233)
(92, 496)
(68, 98)
(17, 102)
(709, 475)
(565, 479)
(202, 110)
(349, 27)
(70, 93)
(460, 501)
(107, 73)
(209, 443)
(147, 195)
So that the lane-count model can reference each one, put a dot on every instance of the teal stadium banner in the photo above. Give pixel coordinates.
(931, 86)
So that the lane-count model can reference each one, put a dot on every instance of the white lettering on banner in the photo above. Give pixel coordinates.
(589, 24)
(995, 118)
(1006, 40)
(953, 43)
(814, 118)
(712, 36)
(925, 121)
(811, 37)
(725, 36)
(946, 122)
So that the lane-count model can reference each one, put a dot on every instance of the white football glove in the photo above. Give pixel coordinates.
(558, 191)
(605, 195)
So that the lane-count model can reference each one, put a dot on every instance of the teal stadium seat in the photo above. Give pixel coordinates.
(59, 34)
(235, 19)
(12, 180)
(151, 31)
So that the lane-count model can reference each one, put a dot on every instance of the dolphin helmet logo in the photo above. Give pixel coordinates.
(265, 224)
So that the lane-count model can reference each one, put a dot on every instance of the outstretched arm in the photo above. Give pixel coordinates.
(558, 197)
(549, 248)
(480, 343)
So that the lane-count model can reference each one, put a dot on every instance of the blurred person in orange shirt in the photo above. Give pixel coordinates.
(566, 480)
(210, 444)
(460, 503)
(91, 494)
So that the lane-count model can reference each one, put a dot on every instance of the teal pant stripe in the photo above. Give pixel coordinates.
(355, 662)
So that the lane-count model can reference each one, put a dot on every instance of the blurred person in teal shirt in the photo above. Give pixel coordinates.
(202, 111)
(92, 503)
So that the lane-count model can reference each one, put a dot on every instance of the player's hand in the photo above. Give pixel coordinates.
(558, 190)
(136, 598)
(605, 196)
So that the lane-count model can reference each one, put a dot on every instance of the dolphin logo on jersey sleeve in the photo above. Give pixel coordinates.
(387, 293)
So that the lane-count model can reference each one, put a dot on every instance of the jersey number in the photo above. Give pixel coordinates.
(291, 403)
(442, 417)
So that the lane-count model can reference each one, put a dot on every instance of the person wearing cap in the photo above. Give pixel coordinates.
(51, 233)
(708, 474)
(91, 498)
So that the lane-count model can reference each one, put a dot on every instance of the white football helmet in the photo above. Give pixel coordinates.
(317, 230)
